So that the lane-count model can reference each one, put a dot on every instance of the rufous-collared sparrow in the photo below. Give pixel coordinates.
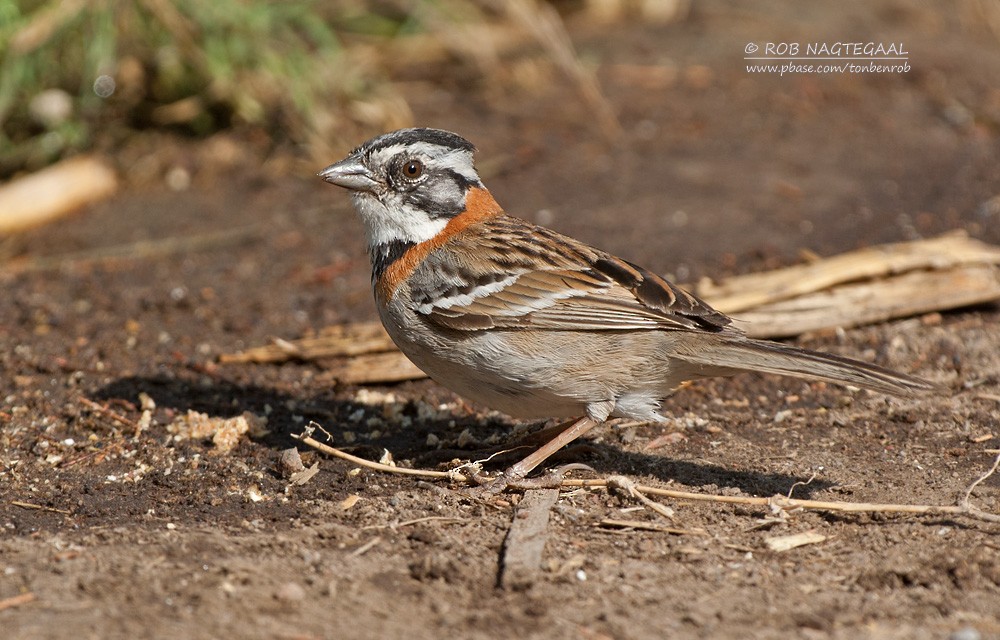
(533, 323)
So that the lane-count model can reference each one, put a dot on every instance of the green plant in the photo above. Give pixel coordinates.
(196, 66)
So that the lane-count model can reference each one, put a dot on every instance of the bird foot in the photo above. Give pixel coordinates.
(512, 479)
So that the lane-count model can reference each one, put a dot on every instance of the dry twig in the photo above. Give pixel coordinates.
(341, 340)
(778, 502)
(391, 366)
(623, 484)
(410, 523)
(869, 302)
(107, 411)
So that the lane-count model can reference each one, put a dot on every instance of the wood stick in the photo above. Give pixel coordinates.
(751, 291)
(522, 549)
(853, 305)
(373, 368)
(54, 191)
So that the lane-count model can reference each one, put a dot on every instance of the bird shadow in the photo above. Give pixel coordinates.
(406, 432)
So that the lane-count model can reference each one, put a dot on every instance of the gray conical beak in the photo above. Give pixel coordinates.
(350, 174)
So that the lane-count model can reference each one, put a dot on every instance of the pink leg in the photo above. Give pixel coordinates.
(518, 471)
(545, 434)
(526, 466)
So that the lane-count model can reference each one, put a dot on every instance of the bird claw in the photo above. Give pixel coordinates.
(511, 479)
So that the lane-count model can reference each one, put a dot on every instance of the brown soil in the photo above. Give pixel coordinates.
(718, 171)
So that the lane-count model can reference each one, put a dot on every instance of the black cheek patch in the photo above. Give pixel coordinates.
(434, 207)
(438, 196)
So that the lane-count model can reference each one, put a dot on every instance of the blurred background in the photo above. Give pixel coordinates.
(80, 74)
(306, 77)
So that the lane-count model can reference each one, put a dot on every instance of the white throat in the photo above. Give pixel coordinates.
(382, 227)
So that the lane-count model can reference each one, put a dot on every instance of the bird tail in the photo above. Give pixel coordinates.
(774, 357)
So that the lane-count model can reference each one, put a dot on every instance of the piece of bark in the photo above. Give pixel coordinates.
(525, 541)
(795, 540)
(754, 290)
(54, 191)
(854, 305)
(373, 368)
(339, 340)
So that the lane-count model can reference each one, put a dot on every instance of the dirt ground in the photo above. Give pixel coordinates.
(717, 171)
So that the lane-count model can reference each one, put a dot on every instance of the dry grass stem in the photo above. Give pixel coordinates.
(968, 492)
(611, 523)
(368, 464)
(38, 507)
(366, 547)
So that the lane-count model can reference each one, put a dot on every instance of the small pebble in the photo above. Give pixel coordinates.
(291, 462)
(465, 439)
(967, 633)
(290, 592)
(51, 108)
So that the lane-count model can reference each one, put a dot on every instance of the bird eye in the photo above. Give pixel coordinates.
(413, 169)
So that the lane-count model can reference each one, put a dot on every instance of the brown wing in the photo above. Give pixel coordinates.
(507, 273)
